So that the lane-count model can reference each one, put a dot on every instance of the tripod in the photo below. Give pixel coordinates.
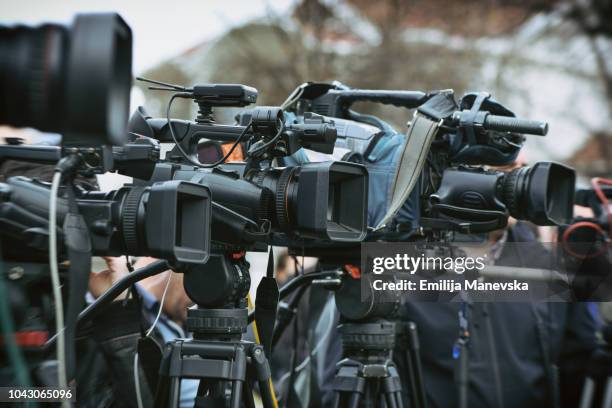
(368, 341)
(367, 374)
(226, 365)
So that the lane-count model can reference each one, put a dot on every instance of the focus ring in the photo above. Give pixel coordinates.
(510, 192)
(129, 219)
(281, 204)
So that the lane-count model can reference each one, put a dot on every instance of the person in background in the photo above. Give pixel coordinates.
(163, 303)
(522, 354)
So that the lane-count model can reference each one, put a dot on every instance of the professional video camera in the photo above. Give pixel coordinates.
(252, 199)
(251, 202)
(76, 81)
(445, 160)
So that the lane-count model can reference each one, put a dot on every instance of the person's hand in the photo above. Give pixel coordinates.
(100, 282)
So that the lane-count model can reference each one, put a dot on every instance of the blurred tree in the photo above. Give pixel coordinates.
(275, 57)
(417, 45)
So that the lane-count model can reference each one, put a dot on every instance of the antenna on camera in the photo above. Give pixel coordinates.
(164, 86)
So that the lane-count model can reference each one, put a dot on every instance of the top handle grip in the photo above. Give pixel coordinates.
(516, 125)
(404, 99)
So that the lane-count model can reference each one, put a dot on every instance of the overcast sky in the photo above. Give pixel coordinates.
(161, 29)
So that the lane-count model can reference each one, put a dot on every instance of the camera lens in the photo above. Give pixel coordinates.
(71, 80)
(32, 69)
(282, 184)
(542, 194)
(331, 190)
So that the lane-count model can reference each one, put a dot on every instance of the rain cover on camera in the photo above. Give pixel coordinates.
(414, 150)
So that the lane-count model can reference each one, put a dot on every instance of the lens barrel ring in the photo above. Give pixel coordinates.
(281, 202)
(129, 218)
(511, 191)
(37, 76)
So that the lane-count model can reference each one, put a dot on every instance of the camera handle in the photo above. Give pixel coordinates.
(401, 99)
(475, 117)
(337, 103)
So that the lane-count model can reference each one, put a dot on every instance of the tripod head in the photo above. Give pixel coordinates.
(219, 289)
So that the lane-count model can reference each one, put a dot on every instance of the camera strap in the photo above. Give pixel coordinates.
(78, 244)
(266, 304)
(413, 157)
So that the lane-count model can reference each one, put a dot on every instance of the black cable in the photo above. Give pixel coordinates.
(269, 143)
(185, 155)
(121, 285)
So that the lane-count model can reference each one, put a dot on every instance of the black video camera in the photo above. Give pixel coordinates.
(470, 198)
(254, 198)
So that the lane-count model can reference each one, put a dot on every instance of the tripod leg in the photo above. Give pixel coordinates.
(607, 402)
(398, 398)
(415, 367)
(391, 400)
(390, 392)
(346, 399)
(266, 394)
(236, 393)
(588, 390)
(247, 395)
(354, 400)
(175, 392)
(462, 382)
